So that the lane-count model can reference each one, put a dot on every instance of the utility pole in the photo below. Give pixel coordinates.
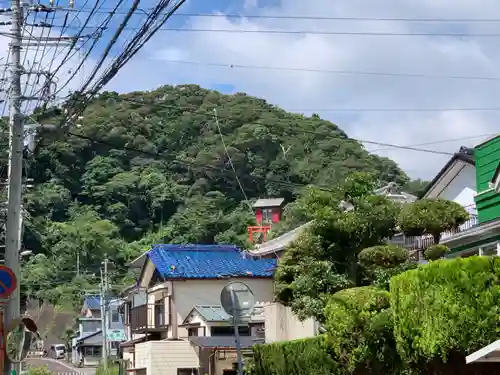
(104, 311)
(14, 206)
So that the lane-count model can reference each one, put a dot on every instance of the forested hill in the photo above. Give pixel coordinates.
(152, 167)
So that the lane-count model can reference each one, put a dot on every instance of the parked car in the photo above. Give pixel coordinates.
(57, 351)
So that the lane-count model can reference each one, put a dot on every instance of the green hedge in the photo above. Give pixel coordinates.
(299, 357)
(439, 313)
(360, 331)
(446, 308)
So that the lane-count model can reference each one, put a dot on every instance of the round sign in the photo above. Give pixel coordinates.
(8, 281)
(237, 299)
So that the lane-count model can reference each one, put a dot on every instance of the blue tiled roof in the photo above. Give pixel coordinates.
(207, 262)
(93, 302)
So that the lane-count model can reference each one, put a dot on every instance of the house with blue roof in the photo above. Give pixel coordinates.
(179, 283)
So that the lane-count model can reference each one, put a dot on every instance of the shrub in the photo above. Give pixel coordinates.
(382, 256)
(41, 370)
(435, 252)
(360, 331)
(113, 369)
(299, 357)
(447, 308)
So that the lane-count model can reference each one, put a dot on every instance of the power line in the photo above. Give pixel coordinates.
(457, 109)
(318, 32)
(329, 18)
(331, 71)
(440, 141)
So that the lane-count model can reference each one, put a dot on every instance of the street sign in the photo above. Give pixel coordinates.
(116, 335)
(8, 282)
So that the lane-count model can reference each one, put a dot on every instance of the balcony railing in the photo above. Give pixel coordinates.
(149, 317)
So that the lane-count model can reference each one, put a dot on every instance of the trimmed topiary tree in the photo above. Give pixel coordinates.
(381, 262)
(446, 310)
(382, 256)
(435, 252)
(431, 216)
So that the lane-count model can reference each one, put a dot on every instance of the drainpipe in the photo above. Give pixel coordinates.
(173, 311)
(211, 360)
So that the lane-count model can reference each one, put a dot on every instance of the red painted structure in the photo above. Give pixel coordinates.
(267, 213)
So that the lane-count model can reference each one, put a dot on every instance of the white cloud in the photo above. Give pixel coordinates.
(302, 90)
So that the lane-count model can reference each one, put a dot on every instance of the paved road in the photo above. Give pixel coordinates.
(59, 367)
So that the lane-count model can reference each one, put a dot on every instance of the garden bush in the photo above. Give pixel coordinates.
(435, 252)
(382, 256)
(360, 331)
(446, 309)
(310, 356)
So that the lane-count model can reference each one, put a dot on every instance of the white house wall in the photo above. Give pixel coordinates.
(165, 357)
(189, 293)
(453, 190)
(142, 356)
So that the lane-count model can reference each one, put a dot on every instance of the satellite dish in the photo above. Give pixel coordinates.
(237, 300)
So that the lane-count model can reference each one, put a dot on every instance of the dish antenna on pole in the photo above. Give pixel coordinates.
(238, 301)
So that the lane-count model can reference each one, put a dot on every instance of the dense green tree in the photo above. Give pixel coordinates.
(324, 259)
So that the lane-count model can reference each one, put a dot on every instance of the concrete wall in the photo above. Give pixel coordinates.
(281, 324)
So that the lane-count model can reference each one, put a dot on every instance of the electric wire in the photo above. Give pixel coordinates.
(325, 32)
(330, 71)
(153, 23)
(335, 18)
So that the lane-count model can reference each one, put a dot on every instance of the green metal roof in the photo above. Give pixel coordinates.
(215, 313)
(212, 313)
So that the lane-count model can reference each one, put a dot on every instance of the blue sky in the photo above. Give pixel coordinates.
(304, 91)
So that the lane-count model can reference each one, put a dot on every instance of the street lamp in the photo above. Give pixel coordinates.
(22, 254)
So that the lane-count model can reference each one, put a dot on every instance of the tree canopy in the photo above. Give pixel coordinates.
(148, 167)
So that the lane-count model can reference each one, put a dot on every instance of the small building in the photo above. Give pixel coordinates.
(89, 340)
(267, 213)
(87, 349)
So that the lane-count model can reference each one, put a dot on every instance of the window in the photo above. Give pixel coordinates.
(92, 351)
(267, 215)
(115, 316)
(115, 344)
(192, 332)
(91, 325)
(229, 331)
(187, 371)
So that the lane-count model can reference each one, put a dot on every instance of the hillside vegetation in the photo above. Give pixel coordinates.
(150, 167)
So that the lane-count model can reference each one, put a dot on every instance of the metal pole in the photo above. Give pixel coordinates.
(237, 345)
(14, 214)
(104, 319)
